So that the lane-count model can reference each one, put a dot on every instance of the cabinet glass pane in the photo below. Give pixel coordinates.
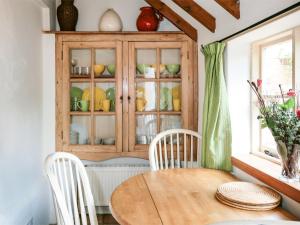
(170, 96)
(170, 63)
(79, 97)
(145, 63)
(105, 130)
(80, 62)
(105, 97)
(146, 128)
(105, 63)
(145, 96)
(80, 130)
(168, 122)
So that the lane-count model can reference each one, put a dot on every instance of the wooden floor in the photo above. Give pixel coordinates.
(105, 219)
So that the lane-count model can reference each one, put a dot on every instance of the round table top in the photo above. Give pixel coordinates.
(179, 196)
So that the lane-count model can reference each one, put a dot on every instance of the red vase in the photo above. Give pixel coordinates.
(149, 19)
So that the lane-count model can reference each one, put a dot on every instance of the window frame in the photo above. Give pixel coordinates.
(256, 73)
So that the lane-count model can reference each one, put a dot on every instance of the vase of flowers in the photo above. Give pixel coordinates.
(284, 124)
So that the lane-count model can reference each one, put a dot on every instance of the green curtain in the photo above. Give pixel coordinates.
(216, 128)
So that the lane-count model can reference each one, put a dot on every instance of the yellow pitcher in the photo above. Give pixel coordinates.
(106, 105)
(176, 104)
(140, 104)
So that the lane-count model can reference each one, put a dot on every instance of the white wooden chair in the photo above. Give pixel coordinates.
(175, 148)
(71, 189)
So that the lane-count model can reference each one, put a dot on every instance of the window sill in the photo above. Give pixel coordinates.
(267, 172)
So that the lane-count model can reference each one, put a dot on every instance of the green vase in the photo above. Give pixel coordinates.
(67, 15)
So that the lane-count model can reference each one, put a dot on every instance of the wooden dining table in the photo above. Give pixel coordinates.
(180, 197)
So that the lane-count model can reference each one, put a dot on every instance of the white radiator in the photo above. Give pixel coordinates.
(105, 178)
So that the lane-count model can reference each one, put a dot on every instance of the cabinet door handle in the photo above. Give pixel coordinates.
(121, 98)
(129, 98)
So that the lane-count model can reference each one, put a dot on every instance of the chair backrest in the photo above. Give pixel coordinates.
(71, 189)
(171, 148)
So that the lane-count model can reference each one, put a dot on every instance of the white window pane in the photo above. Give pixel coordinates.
(277, 67)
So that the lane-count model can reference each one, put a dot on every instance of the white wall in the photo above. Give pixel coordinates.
(24, 192)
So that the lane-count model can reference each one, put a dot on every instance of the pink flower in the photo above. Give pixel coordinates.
(298, 113)
(259, 82)
(291, 93)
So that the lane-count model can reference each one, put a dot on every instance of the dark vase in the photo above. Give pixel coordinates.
(148, 20)
(67, 15)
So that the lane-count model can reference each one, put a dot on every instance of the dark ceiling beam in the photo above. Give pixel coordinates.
(198, 13)
(174, 18)
(231, 6)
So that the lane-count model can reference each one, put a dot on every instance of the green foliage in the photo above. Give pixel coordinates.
(281, 120)
(283, 123)
(289, 104)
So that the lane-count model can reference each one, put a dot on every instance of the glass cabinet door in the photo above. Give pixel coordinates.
(92, 115)
(157, 76)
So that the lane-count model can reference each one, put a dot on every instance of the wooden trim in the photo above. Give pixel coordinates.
(112, 32)
(267, 172)
(125, 95)
(150, 37)
(96, 156)
(160, 79)
(174, 18)
(131, 94)
(59, 93)
(185, 90)
(196, 84)
(231, 6)
(190, 59)
(170, 113)
(157, 75)
(92, 99)
(200, 14)
(276, 39)
(296, 59)
(119, 94)
(65, 103)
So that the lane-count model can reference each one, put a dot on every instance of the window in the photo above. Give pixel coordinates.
(273, 63)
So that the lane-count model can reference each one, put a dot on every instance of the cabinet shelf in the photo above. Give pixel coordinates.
(90, 113)
(157, 79)
(80, 113)
(72, 76)
(97, 80)
(80, 80)
(105, 80)
(160, 112)
(104, 113)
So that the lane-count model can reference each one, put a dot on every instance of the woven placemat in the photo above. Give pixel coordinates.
(244, 207)
(248, 194)
(243, 203)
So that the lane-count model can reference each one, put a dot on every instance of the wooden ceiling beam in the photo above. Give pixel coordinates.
(231, 6)
(174, 18)
(198, 13)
